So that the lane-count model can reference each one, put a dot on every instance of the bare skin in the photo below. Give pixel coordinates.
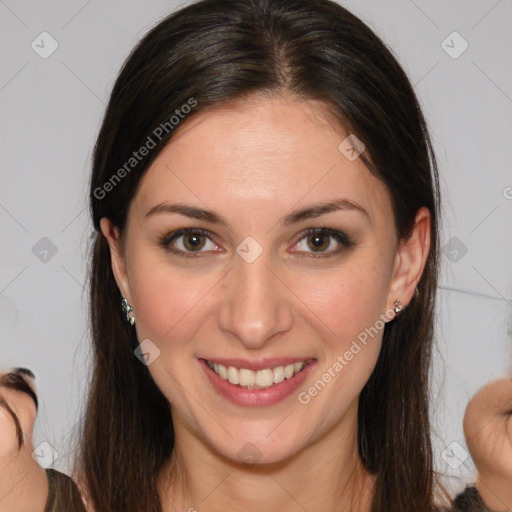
(489, 450)
(23, 483)
(488, 431)
(252, 164)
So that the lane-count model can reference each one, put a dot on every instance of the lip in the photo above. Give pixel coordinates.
(258, 365)
(256, 397)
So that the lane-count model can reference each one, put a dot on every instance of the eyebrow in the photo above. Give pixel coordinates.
(296, 216)
(16, 380)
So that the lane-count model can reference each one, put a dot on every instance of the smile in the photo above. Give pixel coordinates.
(265, 384)
(260, 379)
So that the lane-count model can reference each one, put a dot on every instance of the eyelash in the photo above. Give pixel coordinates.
(339, 236)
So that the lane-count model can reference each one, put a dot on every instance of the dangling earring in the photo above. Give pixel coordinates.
(397, 306)
(130, 317)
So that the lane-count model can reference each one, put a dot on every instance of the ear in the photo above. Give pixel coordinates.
(410, 260)
(112, 234)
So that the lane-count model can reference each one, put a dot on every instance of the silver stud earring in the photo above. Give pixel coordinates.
(130, 317)
(397, 306)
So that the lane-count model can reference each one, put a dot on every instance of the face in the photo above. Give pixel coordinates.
(254, 273)
(21, 404)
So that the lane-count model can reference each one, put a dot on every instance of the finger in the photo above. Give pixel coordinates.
(491, 404)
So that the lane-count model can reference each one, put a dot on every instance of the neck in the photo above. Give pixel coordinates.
(325, 475)
(23, 483)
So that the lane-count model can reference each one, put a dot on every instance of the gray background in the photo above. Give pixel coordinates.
(52, 108)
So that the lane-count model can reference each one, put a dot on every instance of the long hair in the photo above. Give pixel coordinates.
(205, 55)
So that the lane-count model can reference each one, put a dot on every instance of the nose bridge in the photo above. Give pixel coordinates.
(255, 305)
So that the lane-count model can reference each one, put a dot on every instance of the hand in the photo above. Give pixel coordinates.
(23, 483)
(488, 431)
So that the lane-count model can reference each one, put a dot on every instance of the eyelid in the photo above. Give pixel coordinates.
(341, 238)
(16, 380)
(325, 231)
(170, 237)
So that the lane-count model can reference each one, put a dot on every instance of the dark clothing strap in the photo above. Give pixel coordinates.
(63, 494)
(470, 501)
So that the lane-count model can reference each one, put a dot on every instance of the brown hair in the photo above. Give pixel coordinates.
(213, 52)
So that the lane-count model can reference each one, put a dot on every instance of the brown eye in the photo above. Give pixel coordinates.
(188, 242)
(323, 241)
(318, 242)
(193, 241)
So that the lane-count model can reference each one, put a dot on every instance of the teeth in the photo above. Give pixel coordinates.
(289, 370)
(278, 374)
(233, 375)
(264, 378)
(256, 379)
(247, 377)
(223, 372)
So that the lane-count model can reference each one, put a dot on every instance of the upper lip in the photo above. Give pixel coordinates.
(258, 365)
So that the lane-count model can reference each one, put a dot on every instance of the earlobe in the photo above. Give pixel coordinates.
(112, 234)
(411, 258)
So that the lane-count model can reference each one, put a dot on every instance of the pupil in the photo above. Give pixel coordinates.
(193, 241)
(317, 241)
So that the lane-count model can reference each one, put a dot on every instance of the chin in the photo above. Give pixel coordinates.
(258, 448)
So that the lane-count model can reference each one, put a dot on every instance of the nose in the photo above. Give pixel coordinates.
(256, 302)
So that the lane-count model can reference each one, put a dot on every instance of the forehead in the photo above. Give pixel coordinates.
(265, 154)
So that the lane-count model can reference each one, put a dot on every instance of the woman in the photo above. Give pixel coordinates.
(265, 198)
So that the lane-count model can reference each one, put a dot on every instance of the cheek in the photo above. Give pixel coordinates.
(348, 299)
(24, 409)
(164, 301)
(348, 308)
(8, 439)
(171, 301)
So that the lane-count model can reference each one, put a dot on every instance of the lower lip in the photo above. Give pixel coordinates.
(256, 397)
